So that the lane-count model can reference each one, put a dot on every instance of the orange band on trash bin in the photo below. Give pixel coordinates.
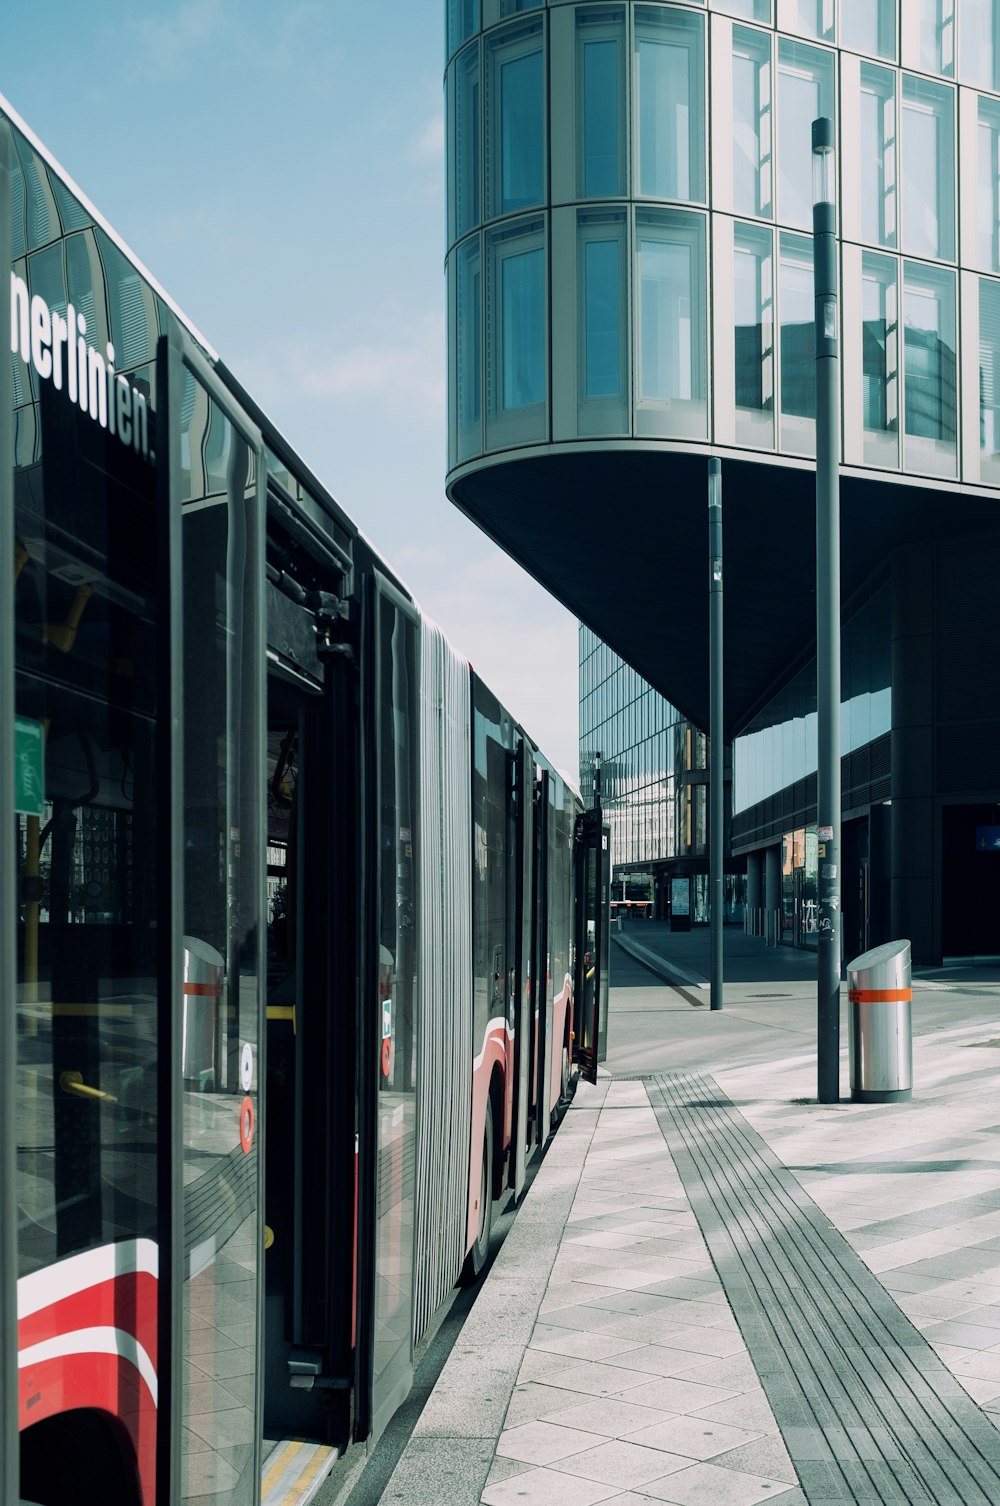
(203, 990)
(880, 995)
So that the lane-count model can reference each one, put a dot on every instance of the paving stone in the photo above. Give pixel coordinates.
(679, 1394)
(623, 1463)
(609, 1415)
(534, 1400)
(541, 1442)
(583, 1345)
(752, 1410)
(767, 1457)
(707, 1485)
(593, 1377)
(543, 1487)
(660, 1359)
(506, 1469)
(692, 1436)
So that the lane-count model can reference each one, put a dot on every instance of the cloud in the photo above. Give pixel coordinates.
(428, 144)
(224, 32)
(521, 641)
(411, 371)
(171, 40)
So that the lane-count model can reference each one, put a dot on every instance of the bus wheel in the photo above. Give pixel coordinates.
(476, 1258)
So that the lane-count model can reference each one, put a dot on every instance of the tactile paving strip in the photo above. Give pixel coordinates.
(867, 1410)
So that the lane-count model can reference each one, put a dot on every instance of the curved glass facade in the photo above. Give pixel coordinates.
(626, 262)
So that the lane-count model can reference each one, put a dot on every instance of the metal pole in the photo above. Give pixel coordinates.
(827, 616)
(716, 743)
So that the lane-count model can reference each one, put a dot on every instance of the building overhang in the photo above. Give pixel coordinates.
(619, 535)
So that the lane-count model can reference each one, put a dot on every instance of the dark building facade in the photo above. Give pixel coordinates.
(630, 291)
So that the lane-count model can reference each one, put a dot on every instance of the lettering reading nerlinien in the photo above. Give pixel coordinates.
(55, 346)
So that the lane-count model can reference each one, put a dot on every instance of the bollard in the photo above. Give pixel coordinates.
(881, 1030)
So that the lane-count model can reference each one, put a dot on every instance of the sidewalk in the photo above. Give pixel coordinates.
(718, 1291)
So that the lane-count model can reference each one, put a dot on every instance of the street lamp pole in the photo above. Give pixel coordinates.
(827, 605)
(716, 744)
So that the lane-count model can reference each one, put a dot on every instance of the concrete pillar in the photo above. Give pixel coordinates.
(755, 889)
(772, 888)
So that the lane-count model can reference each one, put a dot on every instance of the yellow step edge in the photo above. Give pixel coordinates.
(294, 1471)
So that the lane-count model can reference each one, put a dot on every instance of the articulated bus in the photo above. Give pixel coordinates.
(302, 940)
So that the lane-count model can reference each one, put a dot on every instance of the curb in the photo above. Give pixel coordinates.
(668, 971)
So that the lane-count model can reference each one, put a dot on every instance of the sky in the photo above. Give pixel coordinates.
(278, 167)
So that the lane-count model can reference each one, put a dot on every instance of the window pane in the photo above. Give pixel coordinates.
(798, 354)
(928, 169)
(463, 21)
(516, 334)
(751, 122)
(521, 132)
(987, 195)
(880, 359)
(978, 27)
(665, 271)
(798, 345)
(602, 318)
(937, 36)
(753, 298)
(930, 368)
(747, 10)
(522, 323)
(600, 42)
(878, 156)
(989, 380)
(812, 18)
(805, 92)
(670, 106)
(869, 26)
(671, 322)
(466, 148)
(469, 352)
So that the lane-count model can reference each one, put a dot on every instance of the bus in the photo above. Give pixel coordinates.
(302, 939)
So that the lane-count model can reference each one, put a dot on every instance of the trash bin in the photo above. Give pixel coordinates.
(204, 969)
(881, 1035)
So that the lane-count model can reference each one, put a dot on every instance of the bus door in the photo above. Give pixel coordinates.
(593, 942)
(542, 1013)
(388, 1020)
(521, 1000)
(311, 783)
(216, 496)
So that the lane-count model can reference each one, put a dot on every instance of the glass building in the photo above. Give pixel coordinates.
(653, 789)
(630, 290)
